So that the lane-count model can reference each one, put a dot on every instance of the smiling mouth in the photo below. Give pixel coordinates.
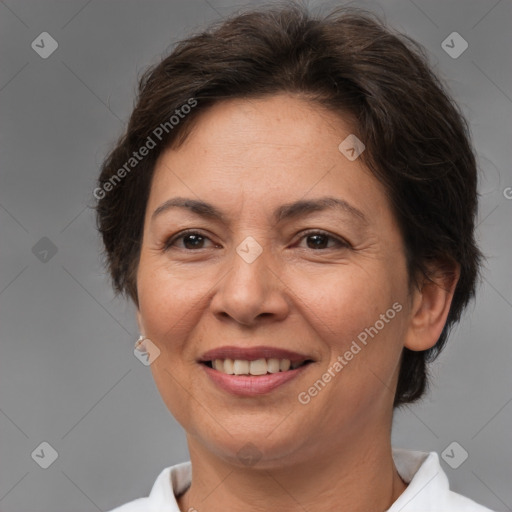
(257, 367)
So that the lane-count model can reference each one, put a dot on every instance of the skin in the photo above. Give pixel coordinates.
(247, 157)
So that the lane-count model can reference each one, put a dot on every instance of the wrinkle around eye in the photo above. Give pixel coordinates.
(205, 241)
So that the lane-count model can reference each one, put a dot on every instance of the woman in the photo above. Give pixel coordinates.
(292, 210)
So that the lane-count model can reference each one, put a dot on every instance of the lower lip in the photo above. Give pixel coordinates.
(252, 385)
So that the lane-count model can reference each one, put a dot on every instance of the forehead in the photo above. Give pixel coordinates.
(268, 151)
(280, 124)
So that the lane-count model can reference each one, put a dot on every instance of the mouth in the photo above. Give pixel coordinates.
(255, 367)
(246, 370)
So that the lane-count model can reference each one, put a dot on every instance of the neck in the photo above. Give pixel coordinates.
(357, 477)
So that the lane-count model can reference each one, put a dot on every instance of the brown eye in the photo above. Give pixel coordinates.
(318, 240)
(191, 240)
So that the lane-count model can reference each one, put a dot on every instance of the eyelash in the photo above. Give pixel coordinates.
(172, 240)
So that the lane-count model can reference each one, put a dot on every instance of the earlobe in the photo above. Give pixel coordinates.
(431, 303)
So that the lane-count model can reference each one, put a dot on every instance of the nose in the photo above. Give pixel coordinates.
(251, 291)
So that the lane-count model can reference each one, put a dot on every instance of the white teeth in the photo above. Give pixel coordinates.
(273, 365)
(256, 367)
(241, 367)
(284, 365)
(229, 366)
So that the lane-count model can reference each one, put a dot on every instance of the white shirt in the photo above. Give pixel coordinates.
(427, 491)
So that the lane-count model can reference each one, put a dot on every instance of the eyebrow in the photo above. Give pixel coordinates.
(285, 211)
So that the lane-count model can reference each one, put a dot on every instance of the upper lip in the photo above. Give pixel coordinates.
(253, 353)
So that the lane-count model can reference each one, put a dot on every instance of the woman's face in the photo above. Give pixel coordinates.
(328, 283)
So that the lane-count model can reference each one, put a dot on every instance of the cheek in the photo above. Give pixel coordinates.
(169, 300)
(343, 302)
(169, 305)
(359, 316)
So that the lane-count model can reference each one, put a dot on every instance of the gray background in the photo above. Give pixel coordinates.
(67, 369)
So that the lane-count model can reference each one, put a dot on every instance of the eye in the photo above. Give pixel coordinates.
(319, 240)
(191, 240)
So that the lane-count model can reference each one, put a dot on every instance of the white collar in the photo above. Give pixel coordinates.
(427, 491)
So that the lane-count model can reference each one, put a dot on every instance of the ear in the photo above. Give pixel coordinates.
(431, 301)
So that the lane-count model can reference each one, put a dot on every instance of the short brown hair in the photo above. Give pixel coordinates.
(417, 140)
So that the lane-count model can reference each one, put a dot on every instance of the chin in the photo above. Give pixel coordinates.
(256, 449)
